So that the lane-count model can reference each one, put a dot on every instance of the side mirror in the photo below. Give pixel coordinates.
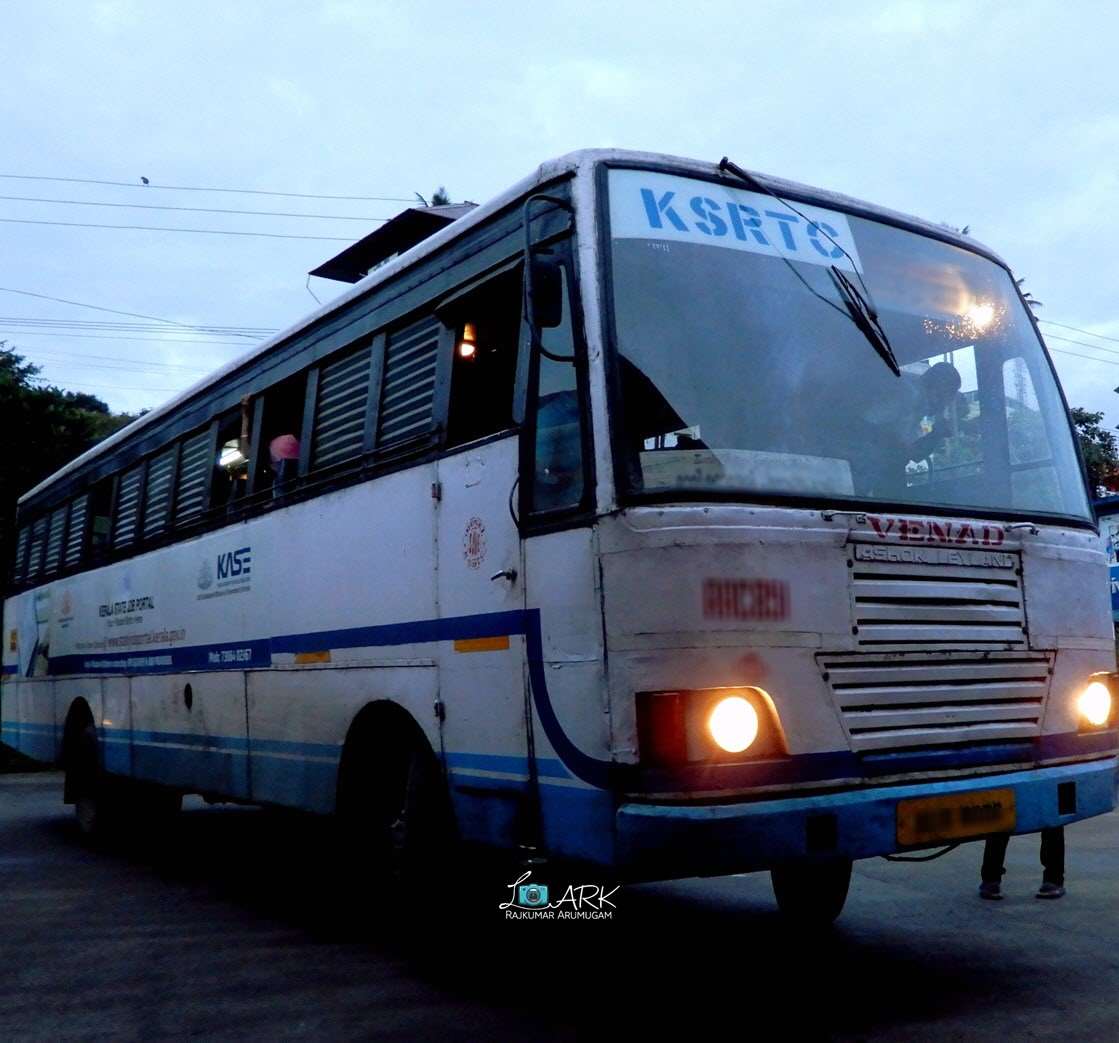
(545, 290)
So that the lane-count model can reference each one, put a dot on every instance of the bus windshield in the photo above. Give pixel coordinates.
(742, 370)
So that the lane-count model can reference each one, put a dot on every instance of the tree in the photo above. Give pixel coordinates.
(440, 197)
(41, 428)
(1100, 449)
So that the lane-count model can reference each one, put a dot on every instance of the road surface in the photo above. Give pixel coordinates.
(233, 928)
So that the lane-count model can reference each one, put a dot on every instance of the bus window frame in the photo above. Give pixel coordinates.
(538, 522)
(626, 493)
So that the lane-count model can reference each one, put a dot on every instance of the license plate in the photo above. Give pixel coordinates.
(924, 820)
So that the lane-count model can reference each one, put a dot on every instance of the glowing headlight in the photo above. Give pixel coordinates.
(1094, 704)
(733, 723)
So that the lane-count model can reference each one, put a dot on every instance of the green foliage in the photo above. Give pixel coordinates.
(41, 428)
(440, 197)
(1100, 449)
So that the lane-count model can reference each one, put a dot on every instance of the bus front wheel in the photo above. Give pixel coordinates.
(812, 892)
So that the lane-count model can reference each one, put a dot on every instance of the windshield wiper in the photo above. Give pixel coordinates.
(859, 307)
(865, 318)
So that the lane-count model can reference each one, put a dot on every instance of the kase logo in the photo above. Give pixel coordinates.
(230, 569)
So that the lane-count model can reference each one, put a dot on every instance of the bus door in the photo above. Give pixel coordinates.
(480, 585)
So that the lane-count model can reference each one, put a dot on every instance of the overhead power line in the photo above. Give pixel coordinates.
(1090, 358)
(1082, 343)
(190, 209)
(52, 355)
(158, 228)
(171, 339)
(1077, 329)
(116, 311)
(106, 387)
(196, 188)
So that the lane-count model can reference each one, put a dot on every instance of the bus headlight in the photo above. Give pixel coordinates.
(733, 724)
(1094, 704)
(707, 726)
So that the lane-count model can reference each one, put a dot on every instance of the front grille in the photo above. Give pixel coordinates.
(937, 598)
(912, 700)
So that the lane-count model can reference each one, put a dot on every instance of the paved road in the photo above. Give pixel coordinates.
(230, 929)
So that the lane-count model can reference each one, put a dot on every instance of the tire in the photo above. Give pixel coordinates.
(812, 893)
(97, 804)
(395, 820)
(105, 805)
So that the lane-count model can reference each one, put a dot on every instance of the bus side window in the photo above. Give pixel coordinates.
(281, 435)
(557, 482)
(100, 514)
(231, 466)
(487, 328)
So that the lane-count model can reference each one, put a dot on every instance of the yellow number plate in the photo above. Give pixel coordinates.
(926, 820)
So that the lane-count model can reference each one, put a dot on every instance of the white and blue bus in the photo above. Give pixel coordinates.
(656, 515)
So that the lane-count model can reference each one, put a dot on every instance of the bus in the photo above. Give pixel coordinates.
(655, 516)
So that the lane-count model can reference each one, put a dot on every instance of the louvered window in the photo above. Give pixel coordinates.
(340, 408)
(76, 533)
(408, 387)
(55, 531)
(157, 493)
(128, 507)
(38, 540)
(194, 470)
(21, 554)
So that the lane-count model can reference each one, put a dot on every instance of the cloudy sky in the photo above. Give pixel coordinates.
(1000, 116)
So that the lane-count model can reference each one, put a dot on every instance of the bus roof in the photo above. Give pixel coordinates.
(547, 171)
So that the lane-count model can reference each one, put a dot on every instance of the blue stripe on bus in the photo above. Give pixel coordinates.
(9, 668)
(258, 653)
(546, 767)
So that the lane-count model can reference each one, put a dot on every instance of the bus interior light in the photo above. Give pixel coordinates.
(468, 345)
(1094, 704)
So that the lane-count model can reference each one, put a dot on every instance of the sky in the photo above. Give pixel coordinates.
(1000, 116)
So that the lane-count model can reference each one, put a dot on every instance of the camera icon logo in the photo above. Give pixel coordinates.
(533, 896)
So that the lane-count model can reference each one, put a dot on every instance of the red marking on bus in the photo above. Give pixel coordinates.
(755, 599)
(921, 530)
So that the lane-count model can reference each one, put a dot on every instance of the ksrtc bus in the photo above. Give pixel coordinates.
(657, 515)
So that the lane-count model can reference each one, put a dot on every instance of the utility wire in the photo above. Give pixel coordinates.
(107, 387)
(81, 357)
(102, 325)
(158, 228)
(1077, 329)
(195, 188)
(169, 340)
(191, 209)
(1090, 358)
(111, 311)
(1082, 343)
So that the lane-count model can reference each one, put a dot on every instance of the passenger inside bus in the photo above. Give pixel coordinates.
(281, 431)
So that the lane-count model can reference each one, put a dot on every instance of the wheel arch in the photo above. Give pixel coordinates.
(379, 728)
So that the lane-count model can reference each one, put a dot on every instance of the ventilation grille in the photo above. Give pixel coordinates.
(157, 496)
(21, 551)
(128, 507)
(76, 534)
(938, 597)
(911, 700)
(408, 389)
(38, 538)
(340, 409)
(194, 472)
(55, 533)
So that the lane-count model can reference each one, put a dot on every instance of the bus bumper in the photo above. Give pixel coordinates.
(712, 839)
